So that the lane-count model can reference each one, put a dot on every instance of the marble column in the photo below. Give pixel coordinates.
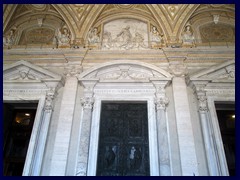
(62, 139)
(45, 120)
(206, 131)
(183, 120)
(85, 128)
(87, 103)
(163, 145)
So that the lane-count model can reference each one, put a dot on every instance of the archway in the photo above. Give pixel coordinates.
(124, 81)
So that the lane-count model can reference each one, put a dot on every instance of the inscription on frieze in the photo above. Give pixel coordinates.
(123, 91)
(221, 92)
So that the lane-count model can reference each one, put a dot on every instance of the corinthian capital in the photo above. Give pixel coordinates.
(87, 102)
(202, 101)
(49, 101)
(161, 103)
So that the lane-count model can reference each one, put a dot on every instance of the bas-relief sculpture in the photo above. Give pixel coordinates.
(9, 39)
(125, 34)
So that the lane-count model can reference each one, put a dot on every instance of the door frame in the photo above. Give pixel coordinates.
(41, 88)
(220, 153)
(122, 80)
(33, 158)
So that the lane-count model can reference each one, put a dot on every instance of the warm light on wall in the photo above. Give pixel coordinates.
(233, 116)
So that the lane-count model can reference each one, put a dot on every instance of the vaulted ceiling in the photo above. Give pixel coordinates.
(79, 18)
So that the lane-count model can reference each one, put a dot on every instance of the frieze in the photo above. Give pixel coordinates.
(221, 92)
(123, 91)
(27, 92)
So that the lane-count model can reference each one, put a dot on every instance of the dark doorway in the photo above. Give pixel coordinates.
(18, 122)
(123, 144)
(226, 120)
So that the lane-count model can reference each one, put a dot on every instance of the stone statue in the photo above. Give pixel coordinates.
(93, 37)
(155, 36)
(187, 37)
(63, 37)
(9, 39)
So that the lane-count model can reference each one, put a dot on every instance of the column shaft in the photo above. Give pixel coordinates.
(163, 147)
(209, 148)
(184, 128)
(61, 146)
(84, 142)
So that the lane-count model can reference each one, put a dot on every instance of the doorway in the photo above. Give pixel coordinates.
(226, 120)
(18, 123)
(123, 140)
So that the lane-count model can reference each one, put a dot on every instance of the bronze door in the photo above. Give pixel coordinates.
(123, 144)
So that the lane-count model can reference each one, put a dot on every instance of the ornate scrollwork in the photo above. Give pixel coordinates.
(161, 103)
(87, 102)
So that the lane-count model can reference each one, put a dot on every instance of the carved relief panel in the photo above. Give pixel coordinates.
(125, 34)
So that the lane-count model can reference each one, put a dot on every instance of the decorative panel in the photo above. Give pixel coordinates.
(217, 33)
(38, 36)
(125, 34)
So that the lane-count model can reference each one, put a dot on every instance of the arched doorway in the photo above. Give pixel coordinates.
(125, 82)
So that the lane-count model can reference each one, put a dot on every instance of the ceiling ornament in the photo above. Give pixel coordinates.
(125, 6)
(39, 7)
(173, 9)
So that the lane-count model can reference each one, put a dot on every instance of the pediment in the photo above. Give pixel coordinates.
(125, 71)
(23, 71)
(224, 72)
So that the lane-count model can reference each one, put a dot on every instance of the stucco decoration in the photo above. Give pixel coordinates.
(217, 33)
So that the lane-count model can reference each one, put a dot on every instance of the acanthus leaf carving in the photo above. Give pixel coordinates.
(49, 100)
(202, 100)
(87, 102)
(161, 103)
(201, 96)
